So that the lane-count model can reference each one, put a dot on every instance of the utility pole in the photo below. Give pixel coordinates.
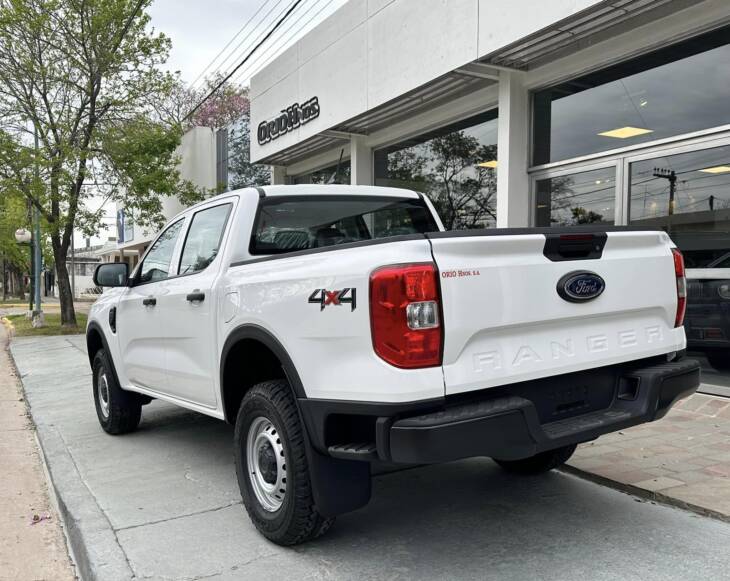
(38, 311)
(670, 176)
(73, 267)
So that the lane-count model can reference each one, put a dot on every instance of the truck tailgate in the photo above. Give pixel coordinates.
(505, 321)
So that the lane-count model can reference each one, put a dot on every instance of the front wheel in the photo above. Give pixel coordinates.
(118, 411)
(542, 462)
(272, 469)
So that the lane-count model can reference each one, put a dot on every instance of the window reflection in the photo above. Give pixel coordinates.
(688, 195)
(587, 197)
(675, 90)
(456, 167)
(329, 175)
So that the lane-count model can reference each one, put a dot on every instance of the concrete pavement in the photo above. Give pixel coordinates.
(33, 545)
(683, 459)
(163, 503)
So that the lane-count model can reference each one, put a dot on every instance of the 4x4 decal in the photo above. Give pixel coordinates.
(324, 297)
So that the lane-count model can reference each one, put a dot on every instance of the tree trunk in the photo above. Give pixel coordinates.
(65, 296)
(20, 283)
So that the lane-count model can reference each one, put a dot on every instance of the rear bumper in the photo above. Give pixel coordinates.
(507, 426)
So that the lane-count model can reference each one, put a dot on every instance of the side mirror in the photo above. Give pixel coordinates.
(112, 274)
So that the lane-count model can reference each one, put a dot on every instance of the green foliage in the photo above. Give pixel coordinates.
(13, 215)
(446, 169)
(83, 75)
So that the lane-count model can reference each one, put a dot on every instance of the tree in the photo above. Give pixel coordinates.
(229, 109)
(466, 192)
(81, 75)
(13, 215)
(446, 168)
(241, 172)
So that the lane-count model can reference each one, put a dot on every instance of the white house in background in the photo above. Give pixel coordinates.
(197, 153)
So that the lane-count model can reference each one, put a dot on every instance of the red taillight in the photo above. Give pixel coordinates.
(405, 315)
(681, 287)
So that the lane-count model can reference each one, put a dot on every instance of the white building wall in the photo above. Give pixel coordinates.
(372, 51)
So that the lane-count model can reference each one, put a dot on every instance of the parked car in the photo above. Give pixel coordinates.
(707, 323)
(336, 326)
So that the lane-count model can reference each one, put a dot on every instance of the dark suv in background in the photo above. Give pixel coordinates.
(707, 322)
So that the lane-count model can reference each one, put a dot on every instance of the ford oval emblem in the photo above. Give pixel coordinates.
(580, 286)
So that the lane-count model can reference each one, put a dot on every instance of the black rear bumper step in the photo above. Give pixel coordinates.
(508, 428)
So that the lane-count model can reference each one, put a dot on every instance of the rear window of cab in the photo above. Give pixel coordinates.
(290, 223)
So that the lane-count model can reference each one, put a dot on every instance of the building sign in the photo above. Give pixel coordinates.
(290, 118)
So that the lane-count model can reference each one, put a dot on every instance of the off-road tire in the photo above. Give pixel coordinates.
(720, 360)
(296, 520)
(542, 462)
(123, 409)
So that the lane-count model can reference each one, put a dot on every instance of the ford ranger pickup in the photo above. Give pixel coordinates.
(340, 326)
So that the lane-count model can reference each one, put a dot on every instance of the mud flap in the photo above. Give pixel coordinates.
(338, 486)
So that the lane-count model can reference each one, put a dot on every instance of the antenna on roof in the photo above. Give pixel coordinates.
(334, 178)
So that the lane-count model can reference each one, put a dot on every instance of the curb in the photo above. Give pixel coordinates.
(91, 539)
(645, 494)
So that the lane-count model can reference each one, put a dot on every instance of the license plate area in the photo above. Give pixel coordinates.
(572, 394)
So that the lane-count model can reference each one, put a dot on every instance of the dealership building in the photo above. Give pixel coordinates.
(513, 114)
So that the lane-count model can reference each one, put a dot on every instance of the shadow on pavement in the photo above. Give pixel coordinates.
(466, 520)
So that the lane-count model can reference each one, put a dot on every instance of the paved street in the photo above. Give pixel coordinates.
(163, 503)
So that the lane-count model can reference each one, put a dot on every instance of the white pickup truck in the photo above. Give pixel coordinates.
(336, 326)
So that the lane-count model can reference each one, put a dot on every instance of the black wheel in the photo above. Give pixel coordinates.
(720, 360)
(272, 468)
(538, 463)
(118, 410)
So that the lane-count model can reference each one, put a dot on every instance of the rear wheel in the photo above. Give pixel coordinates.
(720, 360)
(119, 411)
(271, 465)
(539, 463)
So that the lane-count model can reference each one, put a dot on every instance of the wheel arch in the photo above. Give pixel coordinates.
(96, 340)
(252, 354)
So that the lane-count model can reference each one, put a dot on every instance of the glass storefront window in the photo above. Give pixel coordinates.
(587, 197)
(456, 167)
(688, 195)
(675, 90)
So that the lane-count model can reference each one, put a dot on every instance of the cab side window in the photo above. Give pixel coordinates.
(156, 265)
(203, 239)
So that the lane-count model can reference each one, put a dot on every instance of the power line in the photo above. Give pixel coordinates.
(250, 70)
(235, 36)
(276, 44)
(235, 54)
(248, 56)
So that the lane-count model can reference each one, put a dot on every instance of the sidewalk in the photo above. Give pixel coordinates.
(683, 459)
(27, 551)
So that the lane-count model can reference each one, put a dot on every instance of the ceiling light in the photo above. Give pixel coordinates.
(626, 132)
(490, 164)
(716, 169)
(598, 182)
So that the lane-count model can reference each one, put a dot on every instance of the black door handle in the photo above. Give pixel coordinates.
(196, 296)
(149, 302)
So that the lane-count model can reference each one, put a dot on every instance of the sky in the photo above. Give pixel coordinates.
(199, 29)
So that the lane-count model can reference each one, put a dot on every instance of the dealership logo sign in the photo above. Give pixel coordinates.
(290, 118)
